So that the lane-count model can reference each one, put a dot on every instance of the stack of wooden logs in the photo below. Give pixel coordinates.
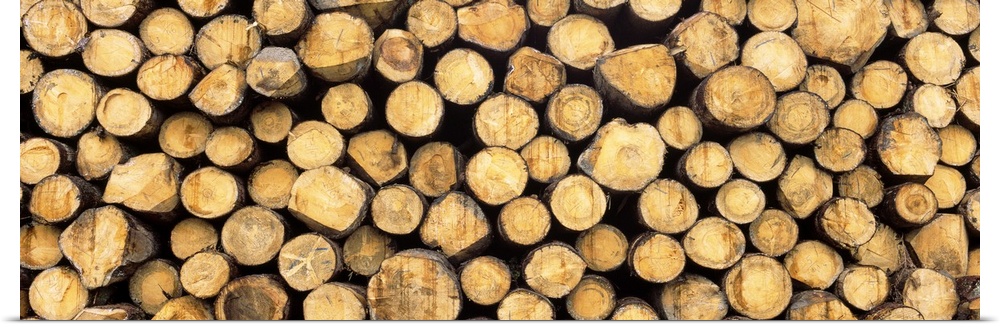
(499, 159)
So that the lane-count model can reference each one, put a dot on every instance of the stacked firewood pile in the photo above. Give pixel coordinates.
(499, 159)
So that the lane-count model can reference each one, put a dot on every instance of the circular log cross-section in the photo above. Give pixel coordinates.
(396, 292)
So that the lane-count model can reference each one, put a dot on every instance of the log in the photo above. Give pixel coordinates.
(553, 270)
(122, 311)
(757, 156)
(942, 244)
(606, 11)
(184, 135)
(148, 184)
(204, 9)
(714, 243)
(862, 183)
(495, 26)
(706, 165)
(739, 201)
(398, 209)
(592, 299)
(803, 187)
(935, 103)
(60, 198)
(58, 293)
(366, 249)
(185, 308)
(436, 168)
(227, 39)
(54, 28)
(894, 311)
(603, 247)
(270, 183)
(885, 250)
(40, 246)
(574, 112)
(656, 258)
(667, 206)
(308, 261)
(967, 97)
(955, 17)
(818, 305)
(825, 82)
(799, 118)
(845, 34)
(643, 93)
(398, 56)
(335, 301)
(774, 233)
(32, 70)
(973, 263)
(813, 265)
(692, 297)
(777, 56)
(929, 292)
(221, 95)
(253, 297)
(113, 53)
(504, 120)
(433, 22)
(908, 17)
(771, 15)
(703, 43)
(533, 75)
(732, 11)
(948, 186)
(576, 202)
(128, 114)
(633, 308)
(211, 193)
(651, 15)
(463, 77)
(168, 77)
(578, 40)
(253, 235)
(969, 209)
(624, 157)
(456, 224)
(394, 292)
(283, 22)
(679, 127)
(524, 221)
(496, 175)
(547, 159)
(42, 157)
(271, 121)
(204, 274)
(347, 107)
(376, 13)
(377, 157)
(856, 115)
(973, 45)
(167, 31)
(191, 236)
(845, 222)
(908, 205)
(337, 47)
(232, 148)
(64, 101)
(86, 242)
(306, 137)
(933, 58)
(882, 84)
(757, 287)
(524, 304)
(735, 99)
(485, 280)
(276, 73)
(958, 145)
(863, 287)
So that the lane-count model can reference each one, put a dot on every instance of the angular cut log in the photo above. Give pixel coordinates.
(633, 308)
(184, 135)
(221, 95)
(276, 73)
(191, 236)
(40, 246)
(398, 209)
(365, 250)
(128, 114)
(639, 93)
(496, 175)
(395, 292)
(496, 26)
(153, 284)
(958, 145)
(228, 39)
(776, 55)
(842, 33)
(624, 157)
(524, 304)
(524, 221)
(433, 22)
(168, 77)
(504, 120)
(603, 247)
(54, 28)
(969, 209)
(271, 121)
(377, 156)
(592, 299)
(314, 144)
(106, 244)
(414, 110)
(42, 157)
(147, 183)
(337, 47)
(204, 274)
(757, 287)
(576, 201)
(908, 18)
(826, 82)
(705, 165)
(123, 311)
(933, 58)
(578, 40)
(485, 280)
(714, 243)
(58, 293)
(772, 15)
(533, 75)
(885, 250)
(113, 53)
(547, 159)
(948, 186)
(845, 222)
(679, 127)
(437, 168)
(270, 183)
(463, 77)
(942, 244)
(894, 311)
(739, 201)
(204, 9)
(309, 260)
(856, 115)
(704, 43)
(329, 201)
(335, 301)
(211, 193)
(347, 107)
(253, 235)
(862, 183)
(64, 101)
(656, 258)
(955, 17)
(757, 156)
(803, 187)
(553, 269)
(818, 305)
(31, 70)
(574, 112)
(814, 265)
(253, 297)
(735, 99)
(774, 233)
(283, 22)
(398, 56)
(863, 287)
(60, 198)
(232, 148)
(882, 84)
(692, 297)
(930, 292)
(799, 118)
(967, 97)
(167, 31)
(457, 226)
(185, 308)
(908, 205)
